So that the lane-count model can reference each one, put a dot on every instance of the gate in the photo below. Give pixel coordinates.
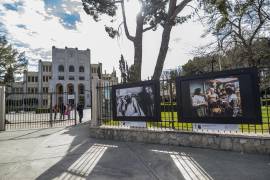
(39, 110)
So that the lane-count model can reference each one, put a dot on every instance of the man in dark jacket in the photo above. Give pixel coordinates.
(80, 111)
(62, 110)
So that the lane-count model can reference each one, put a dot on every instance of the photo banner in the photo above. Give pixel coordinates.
(225, 97)
(136, 101)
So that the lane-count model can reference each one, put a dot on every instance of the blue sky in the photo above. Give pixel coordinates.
(34, 26)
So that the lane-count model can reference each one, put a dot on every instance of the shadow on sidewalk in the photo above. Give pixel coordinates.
(88, 158)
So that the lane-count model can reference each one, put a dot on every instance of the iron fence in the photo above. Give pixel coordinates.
(39, 110)
(168, 106)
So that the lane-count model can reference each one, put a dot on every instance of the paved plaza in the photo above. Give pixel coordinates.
(69, 153)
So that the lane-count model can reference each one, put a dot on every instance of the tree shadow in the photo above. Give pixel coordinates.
(81, 156)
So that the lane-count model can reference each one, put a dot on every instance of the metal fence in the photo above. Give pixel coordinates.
(39, 110)
(169, 120)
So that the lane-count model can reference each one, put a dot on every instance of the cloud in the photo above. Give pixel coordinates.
(13, 6)
(65, 10)
(21, 26)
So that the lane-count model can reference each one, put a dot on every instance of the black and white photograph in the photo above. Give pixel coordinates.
(228, 97)
(136, 101)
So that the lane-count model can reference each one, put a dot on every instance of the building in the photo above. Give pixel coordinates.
(96, 71)
(67, 78)
(71, 76)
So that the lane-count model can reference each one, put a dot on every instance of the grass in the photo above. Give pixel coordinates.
(170, 120)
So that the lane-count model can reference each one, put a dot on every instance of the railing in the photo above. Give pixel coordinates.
(169, 120)
(38, 110)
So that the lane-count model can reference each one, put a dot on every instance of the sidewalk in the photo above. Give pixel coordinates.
(68, 153)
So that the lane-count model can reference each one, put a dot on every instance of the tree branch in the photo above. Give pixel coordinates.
(131, 38)
(149, 28)
(261, 22)
(179, 8)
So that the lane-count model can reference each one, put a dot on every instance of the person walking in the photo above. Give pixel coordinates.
(55, 110)
(62, 111)
(68, 110)
(80, 111)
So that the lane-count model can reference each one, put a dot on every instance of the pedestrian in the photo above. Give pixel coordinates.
(68, 110)
(80, 111)
(55, 110)
(62, 111)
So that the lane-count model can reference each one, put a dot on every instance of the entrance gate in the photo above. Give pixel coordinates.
(40, 110)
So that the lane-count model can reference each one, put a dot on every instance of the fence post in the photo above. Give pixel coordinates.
(95, 104)
(2, 108)
(51, 109)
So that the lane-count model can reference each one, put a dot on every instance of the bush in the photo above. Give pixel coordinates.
(42, 110)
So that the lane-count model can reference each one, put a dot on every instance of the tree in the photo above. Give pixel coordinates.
(123, 67)
(231, 59)
(239, 25)
(152, 14)
(11, 61)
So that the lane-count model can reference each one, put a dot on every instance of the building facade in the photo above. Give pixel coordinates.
(67, 78)
(71, 76)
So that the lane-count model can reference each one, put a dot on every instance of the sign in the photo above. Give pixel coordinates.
(136, 101)
(134, 124)
(216, 127)
(71, 96)
(225, 97)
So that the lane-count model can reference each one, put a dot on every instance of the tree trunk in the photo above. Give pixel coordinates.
(138, 48)
(162, 51)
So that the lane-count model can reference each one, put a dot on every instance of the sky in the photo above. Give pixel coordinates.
(34, 26)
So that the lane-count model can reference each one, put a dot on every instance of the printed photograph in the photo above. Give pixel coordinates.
(216, 97)
(135, 101)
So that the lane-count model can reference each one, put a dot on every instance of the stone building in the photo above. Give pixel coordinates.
(71, 76)
(67, 77)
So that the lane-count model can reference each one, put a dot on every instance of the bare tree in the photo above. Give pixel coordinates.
(239, 23)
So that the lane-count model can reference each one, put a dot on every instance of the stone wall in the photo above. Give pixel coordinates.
(238, 143)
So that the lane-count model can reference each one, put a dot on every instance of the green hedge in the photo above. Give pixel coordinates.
(42, 110)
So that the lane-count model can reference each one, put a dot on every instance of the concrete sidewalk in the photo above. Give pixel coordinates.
(69, 153)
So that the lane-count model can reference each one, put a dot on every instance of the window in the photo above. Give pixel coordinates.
(71, 69)
(81, 78)
(81, 89)
(71, 78)
(50, 77)
(45, 90)
(44, 79)
(29, 79)
(47, 78)
(45, 102)
(61, 68)
(36, 79)
(81, 69)
(50, 68)
(43, 68)
(61, 78)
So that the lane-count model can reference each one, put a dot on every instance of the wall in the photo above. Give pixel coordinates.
(238, 143)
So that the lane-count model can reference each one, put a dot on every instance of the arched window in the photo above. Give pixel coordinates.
(81, 69)
(71, 68)
(59, 89)
(81, 89)
(70, 89)
(61, 68)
